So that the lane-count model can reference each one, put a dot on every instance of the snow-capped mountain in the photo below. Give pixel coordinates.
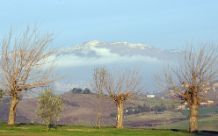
(97, 48)
(76, 63)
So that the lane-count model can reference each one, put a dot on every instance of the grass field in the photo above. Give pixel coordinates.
(39, 130)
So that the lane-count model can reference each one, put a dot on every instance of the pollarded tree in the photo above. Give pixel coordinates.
(195, 75)
(120, 88)
(49, 108)
(22, 61)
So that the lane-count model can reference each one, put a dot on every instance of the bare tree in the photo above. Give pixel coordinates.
(195, 75)
(22, 61)
(120, 88)
(98, 85)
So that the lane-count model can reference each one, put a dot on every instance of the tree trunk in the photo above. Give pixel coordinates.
(119, 114)
(193, 120)
(99, 117)
(12, 110)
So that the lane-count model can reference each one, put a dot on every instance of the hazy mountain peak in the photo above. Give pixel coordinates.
(83, 57)
(97, 48)
(124, 44)
(93, 43)
(132, 45)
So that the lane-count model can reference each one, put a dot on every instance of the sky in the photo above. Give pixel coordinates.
(166, 24)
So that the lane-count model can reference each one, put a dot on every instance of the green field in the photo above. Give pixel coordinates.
(39, 130)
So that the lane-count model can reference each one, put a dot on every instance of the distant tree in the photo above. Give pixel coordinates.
(81, 91)
(77, 90)
(49, 108)
(98, 84)
(22, 58)
(193, 78)
(86, 91)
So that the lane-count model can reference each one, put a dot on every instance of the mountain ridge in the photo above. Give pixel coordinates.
(77, 62)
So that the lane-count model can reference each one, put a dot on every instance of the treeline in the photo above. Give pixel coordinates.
(81, 91)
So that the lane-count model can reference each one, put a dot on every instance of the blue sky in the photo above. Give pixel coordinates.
(161, 23)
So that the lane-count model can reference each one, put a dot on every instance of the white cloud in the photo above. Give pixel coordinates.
(102, 56)
(105, 57)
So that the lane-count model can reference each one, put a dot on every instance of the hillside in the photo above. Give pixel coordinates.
(78, 109)
(81, 109)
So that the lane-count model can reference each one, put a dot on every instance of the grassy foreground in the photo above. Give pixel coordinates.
(38, 130)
